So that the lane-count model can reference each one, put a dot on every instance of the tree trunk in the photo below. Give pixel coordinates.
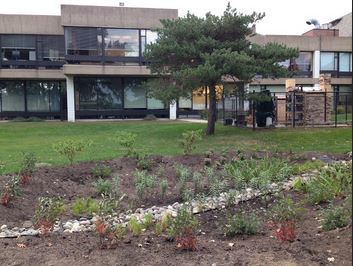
(212, 109)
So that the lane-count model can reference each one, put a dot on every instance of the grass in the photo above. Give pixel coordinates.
(157, 137)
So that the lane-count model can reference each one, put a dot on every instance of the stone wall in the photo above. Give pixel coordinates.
(314, 108)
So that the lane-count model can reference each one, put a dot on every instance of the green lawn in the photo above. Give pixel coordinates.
(158, 138)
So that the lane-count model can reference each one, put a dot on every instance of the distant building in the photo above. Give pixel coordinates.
(88, 63)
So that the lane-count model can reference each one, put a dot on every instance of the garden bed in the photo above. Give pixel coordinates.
(312, 245)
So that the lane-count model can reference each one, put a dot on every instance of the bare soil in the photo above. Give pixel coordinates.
(312, 246)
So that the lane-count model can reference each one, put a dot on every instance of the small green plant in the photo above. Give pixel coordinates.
(101, 171)
(335, 217)
(242, 224)
(144, 162)
(2, 167)
(183, 229)
(85, 206)
(135, 226)
(163, 224)
(147, 221)
(163, 187)
(143, 183)
(215, 181)
(127, 141)
(299, 185)
(197, 182)
(182, 175)
(231, 197)
(331, 182)
(10, 191)
(187, 194)
(104, 186)
(109, 204)
(257, 173)
(47, 213)
(189, 139)
(69, 148)
(27, 167)
(307, 166)
(120, 231)
(283, 217)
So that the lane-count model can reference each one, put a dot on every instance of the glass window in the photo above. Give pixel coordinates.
(12, 96)
(153, 103)
(185, 102)
(328, 61)
(82, 41)
(109, 93)
(121, 42)
(18, 47)
(199, 99)
(51, 48)
(134, 94)
(86, 94)
(303, 62)
(345, 62)
(43, 96)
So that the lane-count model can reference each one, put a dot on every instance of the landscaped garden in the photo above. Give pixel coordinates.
(158, 192)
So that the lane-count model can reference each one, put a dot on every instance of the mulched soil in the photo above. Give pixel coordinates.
(312, 246)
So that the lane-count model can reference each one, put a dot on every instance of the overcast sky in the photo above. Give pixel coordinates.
(282, 16)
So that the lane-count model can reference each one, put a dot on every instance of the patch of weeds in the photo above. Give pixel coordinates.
(163, 224)
(242, 224)
(101, 171)
(85, 206)
(300, 168)
(189, 139)
(197, 182)
(120, 231)
(182, 175)
(147, 221)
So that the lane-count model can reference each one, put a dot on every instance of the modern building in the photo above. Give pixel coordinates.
(88, 63)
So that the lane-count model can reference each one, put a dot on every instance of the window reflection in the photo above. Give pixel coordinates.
(121, 42)
(12, 96)
(18, 47)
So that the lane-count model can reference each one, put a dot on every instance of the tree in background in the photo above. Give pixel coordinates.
(193, 52)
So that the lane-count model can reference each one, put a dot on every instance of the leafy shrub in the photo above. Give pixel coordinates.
(163, 186)
(144, 162)
(47, 212)
(69, 148)
(101, 171)
(127, 141)
(135, 227)
(187, 194)
(257, 173)
(104, 186)
(27, 167)
(183, 229)
(333, 181)
(242, 224)
(86, 206)
(10, 191)
(109, 204)
(283, 217)
(335, 217)
(106, 233)
(143, 183)
(189, 139)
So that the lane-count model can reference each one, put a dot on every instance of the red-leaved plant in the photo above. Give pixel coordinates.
(283, 218)
(105, 234)
(187, 240)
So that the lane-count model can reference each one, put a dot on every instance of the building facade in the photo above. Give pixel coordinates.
(88, 63)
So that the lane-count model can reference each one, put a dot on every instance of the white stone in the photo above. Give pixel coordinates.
(68, 225)
(3, 227)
